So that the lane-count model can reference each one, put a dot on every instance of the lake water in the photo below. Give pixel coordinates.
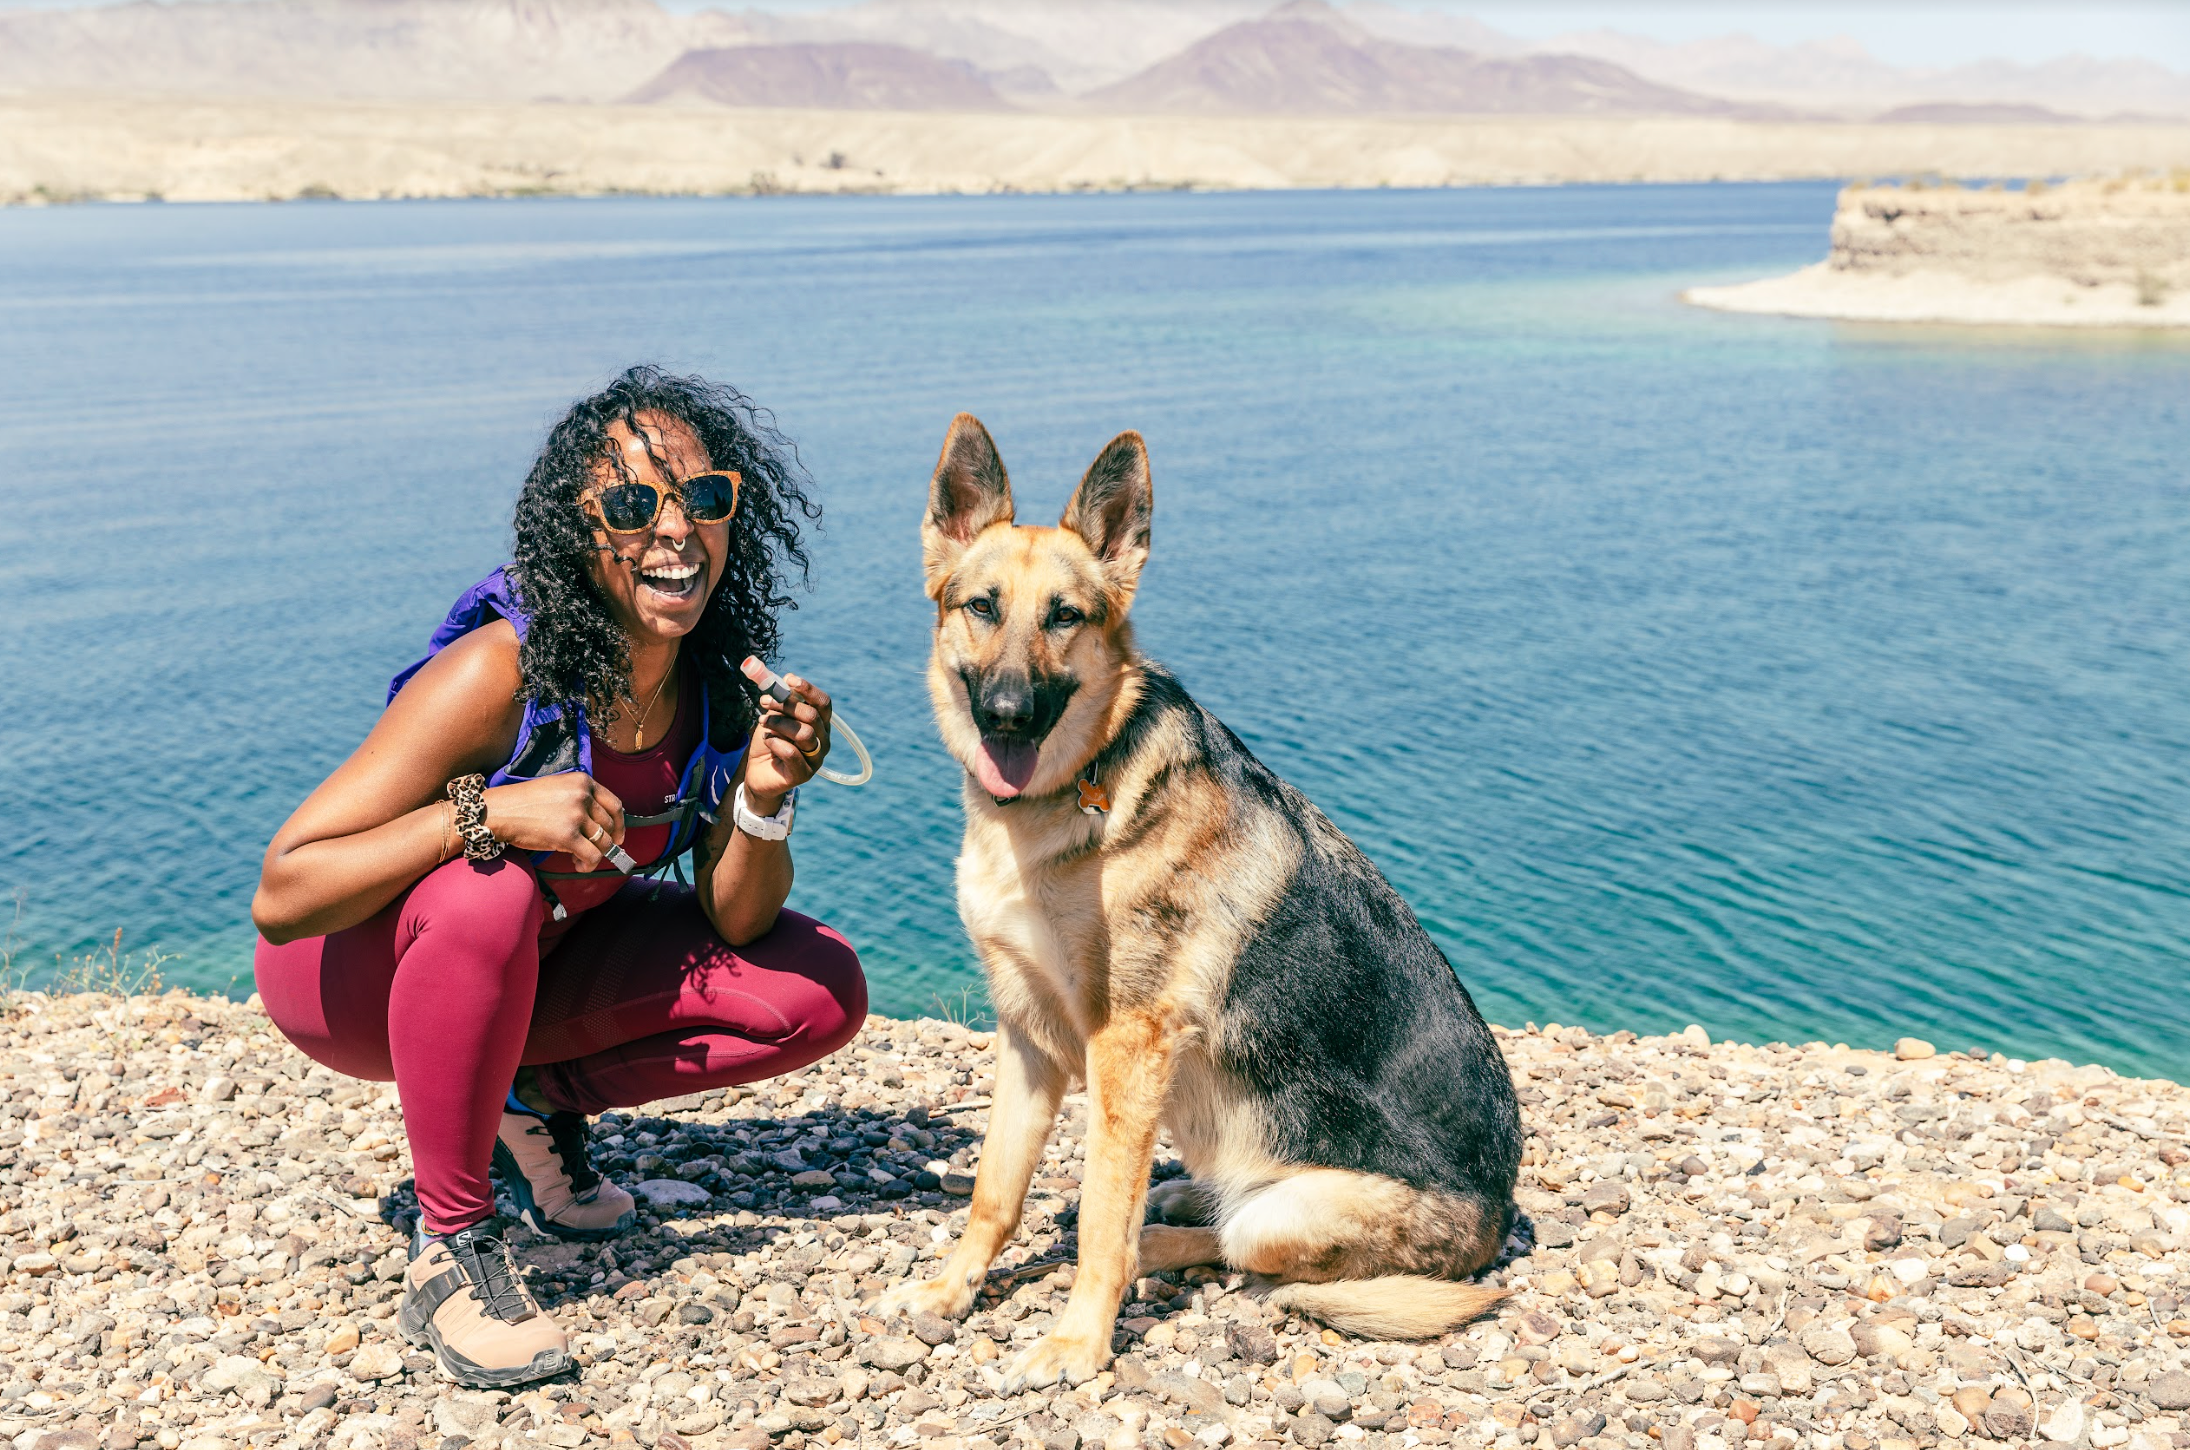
(1802, 680)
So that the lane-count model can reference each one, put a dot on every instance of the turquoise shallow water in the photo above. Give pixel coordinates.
(1800, 679)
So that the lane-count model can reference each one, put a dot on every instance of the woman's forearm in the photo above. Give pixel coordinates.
(745, 882)
(322, 887)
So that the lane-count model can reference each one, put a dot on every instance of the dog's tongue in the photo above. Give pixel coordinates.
(1005, 766)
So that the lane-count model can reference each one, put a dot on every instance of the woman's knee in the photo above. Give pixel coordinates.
(831, 1013)
(328, 997)
(479, 916)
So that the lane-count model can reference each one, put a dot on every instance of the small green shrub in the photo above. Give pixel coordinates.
(11, 976)
(969, 1007)
(111, 972)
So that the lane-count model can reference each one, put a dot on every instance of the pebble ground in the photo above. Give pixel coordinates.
(201, 1234)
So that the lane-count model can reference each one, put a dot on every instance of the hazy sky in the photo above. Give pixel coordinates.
(1904, 32)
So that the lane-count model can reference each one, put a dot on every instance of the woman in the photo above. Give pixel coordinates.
(452, 908)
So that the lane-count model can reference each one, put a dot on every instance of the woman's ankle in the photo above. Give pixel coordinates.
(526, 1089)
(423, 1237)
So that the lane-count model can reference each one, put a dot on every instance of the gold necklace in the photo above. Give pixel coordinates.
(638, 728)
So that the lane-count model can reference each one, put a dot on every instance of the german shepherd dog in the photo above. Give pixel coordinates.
(1162, 918)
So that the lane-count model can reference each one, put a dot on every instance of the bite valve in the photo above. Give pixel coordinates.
(769, 683)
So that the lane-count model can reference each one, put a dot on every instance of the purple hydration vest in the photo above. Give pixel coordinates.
(553, 738)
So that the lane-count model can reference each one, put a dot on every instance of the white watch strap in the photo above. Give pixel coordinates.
(763, 828)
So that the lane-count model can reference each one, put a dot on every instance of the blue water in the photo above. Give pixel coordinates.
(1803, 680)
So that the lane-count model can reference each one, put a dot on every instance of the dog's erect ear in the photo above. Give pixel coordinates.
(970, 491)
(1111, 510)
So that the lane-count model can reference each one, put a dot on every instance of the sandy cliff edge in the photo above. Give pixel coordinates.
(2088, 254)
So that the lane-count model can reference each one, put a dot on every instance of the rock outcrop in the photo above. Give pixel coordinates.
(2095, 253)
(2094, 234)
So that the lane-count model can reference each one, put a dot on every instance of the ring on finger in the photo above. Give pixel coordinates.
(595, 834)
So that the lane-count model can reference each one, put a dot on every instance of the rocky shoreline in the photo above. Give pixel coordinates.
(1809, 1247)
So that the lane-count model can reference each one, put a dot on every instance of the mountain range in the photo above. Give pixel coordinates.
(1307, 59)
(1841, 76)
(489, 50)
(1206, 57)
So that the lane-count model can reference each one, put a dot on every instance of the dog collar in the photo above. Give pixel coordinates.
(1094, 800)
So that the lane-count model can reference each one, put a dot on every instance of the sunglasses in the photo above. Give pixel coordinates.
(633, 508)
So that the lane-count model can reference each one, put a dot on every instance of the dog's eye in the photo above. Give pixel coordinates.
(1064, 616)
(981, 607)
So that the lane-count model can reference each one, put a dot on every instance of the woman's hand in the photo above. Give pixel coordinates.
(571, 812)
(743, 880)
(789, 744)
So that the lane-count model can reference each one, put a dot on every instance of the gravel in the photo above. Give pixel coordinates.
(201, 1235)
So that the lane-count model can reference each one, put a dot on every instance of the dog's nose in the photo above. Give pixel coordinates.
(1007, 707)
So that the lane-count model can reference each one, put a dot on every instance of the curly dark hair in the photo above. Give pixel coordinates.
(574, 650)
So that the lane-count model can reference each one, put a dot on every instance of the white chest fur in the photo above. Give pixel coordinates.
(1030, 894)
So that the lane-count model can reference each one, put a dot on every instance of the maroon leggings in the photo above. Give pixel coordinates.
(446, 992)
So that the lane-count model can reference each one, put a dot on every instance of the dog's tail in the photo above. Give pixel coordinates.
(1397, 1306)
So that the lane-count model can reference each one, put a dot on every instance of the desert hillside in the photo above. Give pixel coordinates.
(87, 148)
(580, 50)
(852, 75)
(223, 100)
(1306, 59)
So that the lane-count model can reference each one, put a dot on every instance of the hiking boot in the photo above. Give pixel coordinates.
(542, 1160)
(461, 1298)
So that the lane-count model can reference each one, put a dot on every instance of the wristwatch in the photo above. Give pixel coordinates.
(763, 828)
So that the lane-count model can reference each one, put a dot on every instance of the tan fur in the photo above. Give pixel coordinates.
(1396, 1306)
(1324, 1224)
(1165, 1246)
(1108, 942)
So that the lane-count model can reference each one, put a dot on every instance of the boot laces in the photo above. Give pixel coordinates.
(567, 1136)
(486, 1264)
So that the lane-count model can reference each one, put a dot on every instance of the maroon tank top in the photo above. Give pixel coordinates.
(646, 783)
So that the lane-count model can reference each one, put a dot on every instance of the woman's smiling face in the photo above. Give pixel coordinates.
(659, 589)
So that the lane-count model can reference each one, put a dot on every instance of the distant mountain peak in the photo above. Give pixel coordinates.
(823, 76)
(1306, 59)
(1316, 12)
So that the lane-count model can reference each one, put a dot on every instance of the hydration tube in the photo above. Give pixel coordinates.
(771, 684)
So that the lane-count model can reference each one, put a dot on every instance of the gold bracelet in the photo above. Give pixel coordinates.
(448, 829)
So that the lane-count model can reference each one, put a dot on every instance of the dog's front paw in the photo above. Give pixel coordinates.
(948, 1296)
(1064, 1357)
